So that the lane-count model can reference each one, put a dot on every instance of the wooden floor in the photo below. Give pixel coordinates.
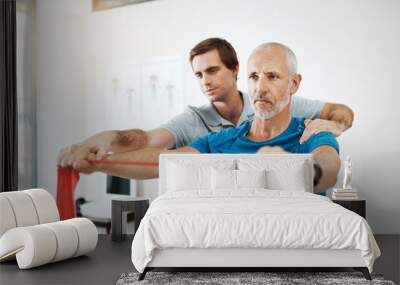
(110, 260)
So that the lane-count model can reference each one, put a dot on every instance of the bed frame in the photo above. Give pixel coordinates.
(234, 259)
(249, 259)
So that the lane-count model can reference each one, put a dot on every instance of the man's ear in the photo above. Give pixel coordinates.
(295, 83)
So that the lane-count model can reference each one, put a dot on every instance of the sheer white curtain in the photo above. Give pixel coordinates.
(26, 95)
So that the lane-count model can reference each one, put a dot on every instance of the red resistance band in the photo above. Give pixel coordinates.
(126, 162)
(68, 178)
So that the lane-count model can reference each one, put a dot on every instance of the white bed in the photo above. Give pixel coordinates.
(223, 219)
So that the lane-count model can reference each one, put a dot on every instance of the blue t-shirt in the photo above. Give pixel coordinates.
(199, 121)
(234, 140)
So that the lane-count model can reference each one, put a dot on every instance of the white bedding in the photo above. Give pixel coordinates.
(252, 218)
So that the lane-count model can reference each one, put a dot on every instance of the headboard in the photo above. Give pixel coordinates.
(273, 161)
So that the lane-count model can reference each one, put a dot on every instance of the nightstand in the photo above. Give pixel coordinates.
(358, 206)
(120, 208)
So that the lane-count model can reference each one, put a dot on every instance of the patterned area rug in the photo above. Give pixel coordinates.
(270, 278)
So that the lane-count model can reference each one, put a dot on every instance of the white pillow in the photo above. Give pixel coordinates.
(293, 179)
(226, 179)
(223, 179)
(182, 177)
(285, 173)
(251, 178)
(189, 175)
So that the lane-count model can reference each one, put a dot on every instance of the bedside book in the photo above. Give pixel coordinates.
(344, 194)
(340, 190)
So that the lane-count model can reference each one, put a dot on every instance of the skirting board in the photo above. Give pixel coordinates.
(232, 257)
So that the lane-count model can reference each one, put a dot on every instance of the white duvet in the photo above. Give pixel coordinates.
(254, 218)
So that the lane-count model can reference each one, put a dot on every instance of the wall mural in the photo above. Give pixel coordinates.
(146, 94)
(136, 95)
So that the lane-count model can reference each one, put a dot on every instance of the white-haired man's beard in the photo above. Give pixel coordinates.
(277, 108)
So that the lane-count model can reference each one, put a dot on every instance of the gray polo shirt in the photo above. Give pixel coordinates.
(198, 121)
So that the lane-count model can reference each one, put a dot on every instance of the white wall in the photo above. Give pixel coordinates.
(347, 52)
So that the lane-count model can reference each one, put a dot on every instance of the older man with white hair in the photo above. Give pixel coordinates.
(272, 81)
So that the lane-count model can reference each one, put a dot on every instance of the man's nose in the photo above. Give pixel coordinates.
(205, 80)
(262, 86)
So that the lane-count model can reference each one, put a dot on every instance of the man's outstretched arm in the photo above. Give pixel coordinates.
(328, 159)
(147, 155)
(334, 118)
(115, 141)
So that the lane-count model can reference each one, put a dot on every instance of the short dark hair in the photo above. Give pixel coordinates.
(225, 50)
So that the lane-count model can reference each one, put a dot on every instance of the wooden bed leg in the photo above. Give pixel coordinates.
(142, 275)
(364, 271)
